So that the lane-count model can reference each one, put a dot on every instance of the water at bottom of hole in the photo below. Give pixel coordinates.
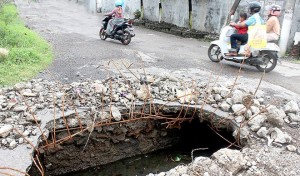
(193, 135)
(156, 162)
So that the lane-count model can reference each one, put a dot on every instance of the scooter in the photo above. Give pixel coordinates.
(122, 31)
(264, 59)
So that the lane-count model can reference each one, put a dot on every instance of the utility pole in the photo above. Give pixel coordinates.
(142, 9)
(160, 11)
(232, 10)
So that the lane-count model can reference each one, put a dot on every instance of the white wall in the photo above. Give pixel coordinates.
(207, 15)
(130, 7)
(176, 12)
(151, 9)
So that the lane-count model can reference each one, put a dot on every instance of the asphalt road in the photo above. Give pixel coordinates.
(80, 54)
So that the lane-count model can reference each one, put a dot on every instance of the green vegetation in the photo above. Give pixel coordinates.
(28, 52)
(137, 14)
(297, 60)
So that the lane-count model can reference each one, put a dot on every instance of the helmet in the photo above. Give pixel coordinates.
(273, 10)
(119, 3)
(254, 7)
(275, 7)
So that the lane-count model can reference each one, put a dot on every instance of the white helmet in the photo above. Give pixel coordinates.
(275, 7)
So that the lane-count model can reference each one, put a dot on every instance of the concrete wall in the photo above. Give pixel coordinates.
(130, 6)
(175, 12)
(151, 10)
(207, 15)
(296, 23)
(107, 5)
(91, 5)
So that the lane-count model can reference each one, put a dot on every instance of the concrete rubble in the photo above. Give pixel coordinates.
(25, 104)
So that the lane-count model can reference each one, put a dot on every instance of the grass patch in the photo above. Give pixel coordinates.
(28, 52)
(297, 61)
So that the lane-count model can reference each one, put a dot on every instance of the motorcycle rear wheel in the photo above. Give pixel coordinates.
(102, 34)
(214, 53)
(270, 62)
(127, 37)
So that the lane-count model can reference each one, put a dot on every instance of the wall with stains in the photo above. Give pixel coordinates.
(295, 23)
(207, 15)
(130, 6)
(151, 9)
(107, 5)
(175, 12)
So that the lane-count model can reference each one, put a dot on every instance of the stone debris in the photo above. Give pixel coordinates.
(291, 107)
(21, 103)
(231, 160)
(294, 117)
(275, 116)
(291, 148)
(5, 130)
(116, 113)
(278, 136)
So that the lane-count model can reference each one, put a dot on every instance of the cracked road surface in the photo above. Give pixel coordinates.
(80, 54)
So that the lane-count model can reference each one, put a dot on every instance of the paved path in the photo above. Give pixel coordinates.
(81, 54)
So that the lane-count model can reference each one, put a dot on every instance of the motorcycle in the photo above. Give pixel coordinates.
(264, 59)
(122, 31)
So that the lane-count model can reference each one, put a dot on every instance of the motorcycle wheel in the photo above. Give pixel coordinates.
(269, 62)
(102, 34)
(214, 53)
(126, 38)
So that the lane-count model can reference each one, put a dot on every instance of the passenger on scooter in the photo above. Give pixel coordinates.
(273, 25)
(255, 19)
(118, 16)
(241, 35)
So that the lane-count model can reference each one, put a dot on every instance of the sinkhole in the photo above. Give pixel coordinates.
(137, 147)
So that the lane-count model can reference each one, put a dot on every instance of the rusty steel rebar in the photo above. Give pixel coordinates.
(29, 142)
(63, 114)
(34, 118)
(54, 120)
(37, 166)
(12, 169)
(155, 111)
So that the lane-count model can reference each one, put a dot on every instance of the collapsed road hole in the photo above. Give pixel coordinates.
(134, 148)
(194, 135)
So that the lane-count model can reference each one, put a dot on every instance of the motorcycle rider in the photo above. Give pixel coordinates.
(273, 25)
(118, 16)
(255, 19)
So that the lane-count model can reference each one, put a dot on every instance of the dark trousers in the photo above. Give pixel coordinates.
(238, 37)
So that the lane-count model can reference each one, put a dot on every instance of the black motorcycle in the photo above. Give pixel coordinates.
(122, 31)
